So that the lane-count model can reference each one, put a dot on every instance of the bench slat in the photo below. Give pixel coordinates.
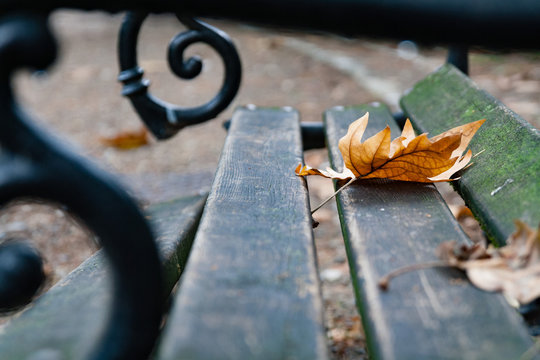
(503, 184)
(429, 314)
(65, 323)
(250, 290)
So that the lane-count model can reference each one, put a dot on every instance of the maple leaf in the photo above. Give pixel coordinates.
(127, 140)
(406, 158)
(513, 269)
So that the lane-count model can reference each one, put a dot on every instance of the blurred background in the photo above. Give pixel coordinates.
(79, 101)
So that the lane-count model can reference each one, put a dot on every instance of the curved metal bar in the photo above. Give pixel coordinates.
(162, 118)
(495, 23)
(458, 55)
(35, 164)
(21, 274)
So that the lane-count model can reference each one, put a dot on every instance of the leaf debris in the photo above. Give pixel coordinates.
(127, 140)
(513, 269)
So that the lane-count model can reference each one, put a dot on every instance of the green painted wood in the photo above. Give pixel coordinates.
(251, 290)
(66, 322)
(503, 184)
(428, 314)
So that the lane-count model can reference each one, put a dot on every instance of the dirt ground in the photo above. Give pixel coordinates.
(79, 101)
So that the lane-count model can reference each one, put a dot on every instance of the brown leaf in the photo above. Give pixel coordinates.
(127, 140)
(406, 158)
(513, 269)
(329, 173)
(461, 212)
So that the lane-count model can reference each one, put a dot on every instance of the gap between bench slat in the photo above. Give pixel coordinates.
(65, 322)
(503, 184)
(250, 290)
(429, 314)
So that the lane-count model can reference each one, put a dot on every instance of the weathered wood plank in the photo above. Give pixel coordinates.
(65, 323)
(503, 184)
(429, 314)
(250, 290)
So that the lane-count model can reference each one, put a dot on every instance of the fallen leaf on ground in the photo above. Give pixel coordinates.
(462, 212)
(513, 269)
(406, 158)
(127, 140)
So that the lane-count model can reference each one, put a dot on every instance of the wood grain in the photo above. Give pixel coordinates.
(251, 288)
(428, 314)
(503, 184)
(66, 322)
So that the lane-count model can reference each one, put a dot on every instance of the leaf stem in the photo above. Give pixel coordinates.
(334, 194)
(478, 153)
(384, 282)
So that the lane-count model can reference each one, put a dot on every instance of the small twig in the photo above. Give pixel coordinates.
(333, 195)
(478, 153)
(384, 282)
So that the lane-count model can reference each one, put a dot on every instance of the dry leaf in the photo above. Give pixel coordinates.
(406, 158)
(461, 212)
(513, 269)
(127, 140)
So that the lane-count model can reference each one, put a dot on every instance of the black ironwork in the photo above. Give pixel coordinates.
(495, 23)
(312, 135)
(33, 164)
(162, 118)
(458, 55)
(21, 274)
(531, 315)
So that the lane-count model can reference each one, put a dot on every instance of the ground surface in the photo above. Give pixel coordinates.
(79, 100)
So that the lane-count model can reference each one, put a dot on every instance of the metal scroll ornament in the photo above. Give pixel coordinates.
(34, 164)
(164, 119)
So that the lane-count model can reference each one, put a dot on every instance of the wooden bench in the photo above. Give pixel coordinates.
(434, 314)
(250, 288)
